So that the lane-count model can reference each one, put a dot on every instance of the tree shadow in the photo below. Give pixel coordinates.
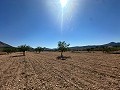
(3, 53)
(37, 53)
(17, 56)
(115, 53)
(63, 58)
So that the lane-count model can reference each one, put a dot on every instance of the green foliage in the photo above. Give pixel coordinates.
(108, 49)
(31, 49)
(62, 47)
(39, 49)
(23, 48)
(88, 49)
(104, 49)
(9, 50)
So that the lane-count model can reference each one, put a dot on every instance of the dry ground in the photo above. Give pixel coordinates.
(84, 71)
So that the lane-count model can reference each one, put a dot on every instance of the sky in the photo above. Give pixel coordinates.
(45, 22)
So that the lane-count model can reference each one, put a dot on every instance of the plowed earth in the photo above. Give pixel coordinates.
(83, 71)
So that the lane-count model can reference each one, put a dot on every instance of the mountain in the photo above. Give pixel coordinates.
(112, 44)
(2, 45)
(83, 47)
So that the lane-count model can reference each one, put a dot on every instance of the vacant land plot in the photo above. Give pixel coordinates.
(83, 71)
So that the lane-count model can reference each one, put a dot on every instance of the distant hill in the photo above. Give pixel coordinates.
(112, 44)
(2, 45)
(83, 47)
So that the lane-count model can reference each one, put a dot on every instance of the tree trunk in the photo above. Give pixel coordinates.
(61, 54)
(24, 53)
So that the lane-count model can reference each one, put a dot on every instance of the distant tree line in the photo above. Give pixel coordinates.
(62, 47)
(39, 49)
(9, 50)
(104, 49)
(22, 48)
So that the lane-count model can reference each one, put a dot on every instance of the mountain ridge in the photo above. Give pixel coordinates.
(2, 45)
(111, 44)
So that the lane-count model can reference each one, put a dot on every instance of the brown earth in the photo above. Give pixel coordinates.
(83, 71)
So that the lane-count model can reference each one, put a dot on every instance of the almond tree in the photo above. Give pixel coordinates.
(62, 47)
(23, 48)
(9, 50)
(39, 49)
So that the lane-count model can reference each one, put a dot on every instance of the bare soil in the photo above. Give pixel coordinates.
(83, 71)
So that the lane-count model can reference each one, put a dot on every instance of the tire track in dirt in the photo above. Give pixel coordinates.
(42, 74)
(55, 72)
(18, 82)
(104, 75)
(111, 80)
(32, 78)
(4, 62)
(67, 72)
(36, 82)
(6, 67)
(95, 69)
(9, 75)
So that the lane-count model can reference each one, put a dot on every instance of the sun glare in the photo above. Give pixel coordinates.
(63, 3)
(63, 12)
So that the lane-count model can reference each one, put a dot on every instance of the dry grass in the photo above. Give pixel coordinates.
(83, 71)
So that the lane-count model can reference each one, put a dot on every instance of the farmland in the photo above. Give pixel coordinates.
(83, 71)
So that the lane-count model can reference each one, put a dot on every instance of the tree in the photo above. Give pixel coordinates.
(62, 47)
(39, 49)
(9, 50)
(23, 48)
(88, 49)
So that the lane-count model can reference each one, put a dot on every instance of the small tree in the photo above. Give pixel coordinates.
(39, 49)
(9, 50)
(62, 47)
(23, 48)
(88, 49)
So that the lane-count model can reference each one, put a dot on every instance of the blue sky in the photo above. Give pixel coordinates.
(38, 22)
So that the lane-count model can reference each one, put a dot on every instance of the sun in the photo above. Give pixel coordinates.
(63, 3)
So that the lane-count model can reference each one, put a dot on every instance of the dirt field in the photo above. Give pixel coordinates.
(84, 71)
